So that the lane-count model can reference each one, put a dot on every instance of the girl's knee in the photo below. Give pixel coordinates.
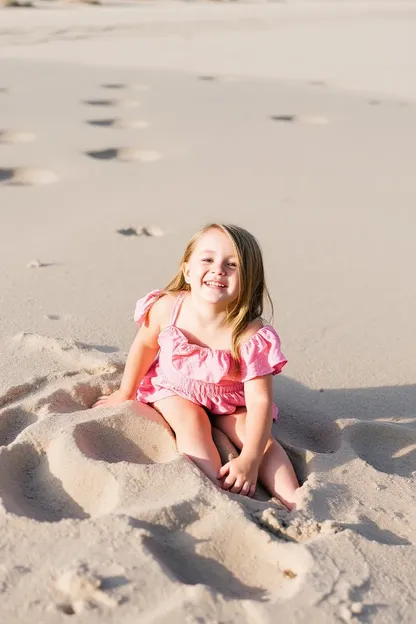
(194, 416)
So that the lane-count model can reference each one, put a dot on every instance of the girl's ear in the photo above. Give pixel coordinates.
(186, 273)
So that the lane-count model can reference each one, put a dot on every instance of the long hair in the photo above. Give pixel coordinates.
(252, 286)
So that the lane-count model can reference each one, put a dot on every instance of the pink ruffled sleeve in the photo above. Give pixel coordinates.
(143, 306)
(261, 355)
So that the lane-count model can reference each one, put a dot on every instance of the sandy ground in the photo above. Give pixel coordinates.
(296, 121)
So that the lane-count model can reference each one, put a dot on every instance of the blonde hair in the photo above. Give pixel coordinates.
(252, 285)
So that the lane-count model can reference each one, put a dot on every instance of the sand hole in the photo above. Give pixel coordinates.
(208, 78)
(12, 422)
(66, 608)
(52, 317)
(124, 154)
(54, 483)
(125, 439)
(396, 446)
(62, 401)
(288, 118)
(27, 487)
(208, 562)
(100, 102)
(6, 175)
(127, 124)
(19, 4)
(128, 232)
(152, 230)
(11, 136)
(103, 123)
(305, 119)
(27, 176)
(95, 2)
(101, 442)
(114, 85)
(111, 444)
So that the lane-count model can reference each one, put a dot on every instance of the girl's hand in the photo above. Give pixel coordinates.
(115, 398)
(239, 476)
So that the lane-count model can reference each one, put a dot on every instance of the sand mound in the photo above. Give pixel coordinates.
(61, 461)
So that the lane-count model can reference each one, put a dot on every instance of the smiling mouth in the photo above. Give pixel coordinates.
(215, 285)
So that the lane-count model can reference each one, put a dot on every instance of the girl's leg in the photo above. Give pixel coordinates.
(192, 429)
(276, 471)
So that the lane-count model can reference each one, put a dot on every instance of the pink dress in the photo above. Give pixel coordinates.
(198, 373)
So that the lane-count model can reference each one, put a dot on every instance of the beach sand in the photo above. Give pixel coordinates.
(123, 129)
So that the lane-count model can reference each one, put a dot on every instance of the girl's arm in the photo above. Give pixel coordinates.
(239, 475)
(259, 402)
(140, 357)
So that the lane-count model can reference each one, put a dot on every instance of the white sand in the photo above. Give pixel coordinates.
(296, 121)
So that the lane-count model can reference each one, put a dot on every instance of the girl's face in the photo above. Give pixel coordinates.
(212, 269)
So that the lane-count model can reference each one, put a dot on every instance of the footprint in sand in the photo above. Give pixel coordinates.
(397, 445)
(125, 154)
(124, 124)
(11, 136)
(34, 483)
(37, 264)
(100, 102)
(96, 2)
(306, 119)
(13, 420)
(152, 230)
(34, 478)
(114, 85)
(110, 102)
(118, 438)
(19, 4)
(27, 176)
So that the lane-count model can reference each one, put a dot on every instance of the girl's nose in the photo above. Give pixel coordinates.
(218, 270)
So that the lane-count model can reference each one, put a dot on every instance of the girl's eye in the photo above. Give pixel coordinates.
(232, 264)
(207, 260)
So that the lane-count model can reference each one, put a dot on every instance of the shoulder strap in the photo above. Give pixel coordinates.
(176, 308)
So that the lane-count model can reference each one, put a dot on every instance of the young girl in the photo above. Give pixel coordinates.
(202, 356)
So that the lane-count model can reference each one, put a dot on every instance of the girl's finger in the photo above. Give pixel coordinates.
(224, 470)
(236, 489)
(245, 489)
(252, 491)
(228, 482)
(99, 402)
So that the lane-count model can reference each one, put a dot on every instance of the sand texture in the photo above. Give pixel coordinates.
(124, 128)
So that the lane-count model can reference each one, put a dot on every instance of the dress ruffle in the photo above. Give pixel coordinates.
(143, 306)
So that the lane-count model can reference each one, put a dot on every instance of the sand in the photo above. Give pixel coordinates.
(122, 130)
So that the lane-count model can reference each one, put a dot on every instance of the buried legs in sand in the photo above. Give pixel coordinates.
(192, 427)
